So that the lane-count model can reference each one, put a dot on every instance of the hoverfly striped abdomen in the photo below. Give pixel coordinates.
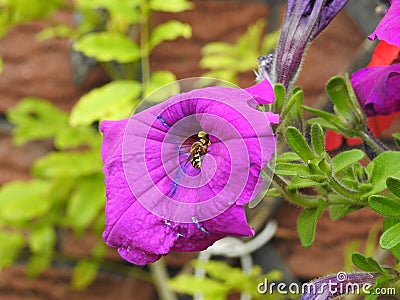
(198, 149)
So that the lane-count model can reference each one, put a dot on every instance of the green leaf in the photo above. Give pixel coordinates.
(72, 137)
(220, 270)
(25, 11)
(288, 156)
(367, 264)
(67, 164)
(396, 251)
(396, 138)
(323, 123)
(288, 169)
(388, 223)
(371, 295)
(42, 239)
(294, 101)
(162, 86)
(218, 61)
(393, 185)
(57, 31)
(391, 237)
(1, 65)
(98, 224)
(99, 250)
(192, 285)
(357, 111)
(10, 245)
(38, 263)
(115, 100)
(338, 211)
(218, 48)
(226, 75)
(298, 143)
(298, 183)
(22, 201)
(307, 224)
(339, 94)
(35, 119)
(170, 5)
(169, 31)
(335, 123)
(108, 46)
(384, 165)
(272, 192)
(250, 41)
(280, 95)
(85, 272)
(361, 174)
(384, 205)
(229, 59)
(269, 41)
(86, 202)
(318, 139)
(120, 11)
(345, 159)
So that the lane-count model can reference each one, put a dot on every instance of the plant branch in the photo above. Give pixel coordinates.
(144, 44)
(293, 197)
(160, 277)
(343, 190)
(373, 142)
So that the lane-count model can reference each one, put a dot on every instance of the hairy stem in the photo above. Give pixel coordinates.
(345, 191)
(373, 142)
(293, 197)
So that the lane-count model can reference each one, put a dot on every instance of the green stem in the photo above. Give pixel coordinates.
(345, 201)
(160, 277)
(293, 197)
(371, 140)
(144, 43)
(344, 191)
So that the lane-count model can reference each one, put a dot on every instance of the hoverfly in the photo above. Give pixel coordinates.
(198, 149)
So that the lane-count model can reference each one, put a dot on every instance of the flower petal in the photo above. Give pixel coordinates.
(384, 54)
(304, 20)
(150, 183)
(262, 92)
(378, 89)
(389, 27)
(328, 12)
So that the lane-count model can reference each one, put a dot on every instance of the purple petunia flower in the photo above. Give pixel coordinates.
(304, 20)
(342, 283)
(179, 173)
(378, 89)
(389, 27)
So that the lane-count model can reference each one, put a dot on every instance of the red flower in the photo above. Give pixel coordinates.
(384, 54)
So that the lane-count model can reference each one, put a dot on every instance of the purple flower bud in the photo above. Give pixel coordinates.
(304, 20)
(178, 174)
(378, 89)
(342, 283)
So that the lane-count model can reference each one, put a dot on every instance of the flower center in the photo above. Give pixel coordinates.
(199, 148)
